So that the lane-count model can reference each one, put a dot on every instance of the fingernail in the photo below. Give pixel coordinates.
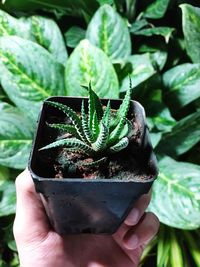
(132, 242)
(133, 217)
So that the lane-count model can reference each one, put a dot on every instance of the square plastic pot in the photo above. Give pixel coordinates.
(77, 205)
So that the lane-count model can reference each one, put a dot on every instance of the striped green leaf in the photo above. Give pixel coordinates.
(46, 33)
(41, 30)
(84, 66)
(15, 138)
(191, 25)
(182, 85)
(108, 31)
(29, 74)
(176, 194)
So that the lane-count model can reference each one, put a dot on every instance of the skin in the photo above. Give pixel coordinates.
(39, 245)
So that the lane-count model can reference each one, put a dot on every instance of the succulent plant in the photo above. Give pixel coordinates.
(97, 134)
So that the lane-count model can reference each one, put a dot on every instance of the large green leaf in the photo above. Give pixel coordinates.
(15, 137)
(7, 198)
(182, 84)
(165, 32)
(41, 30)
(191, 26)
(183, 136)
(12, 26)
(142, 69)
(176, 194)
(29, 74)
(45, 32)
(88, 64)
(157, 9)
(108, 31)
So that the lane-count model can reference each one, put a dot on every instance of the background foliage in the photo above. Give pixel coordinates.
(50, 48)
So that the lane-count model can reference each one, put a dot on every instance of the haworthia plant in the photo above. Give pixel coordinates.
(98, 133)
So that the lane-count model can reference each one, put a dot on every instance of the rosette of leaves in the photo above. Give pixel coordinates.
(99, 133)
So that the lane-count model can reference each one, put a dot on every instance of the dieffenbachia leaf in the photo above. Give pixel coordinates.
(176, 194)
(8, 198)
(108, 31)
(29, 74)
(142, 69)
(157, 9)
(74, 35)
(41, 30)
(191, 26)
(88, 64)
(165, 32)
(12, 26)
(46, 33)
(183, 136)
(16, 134)
(182, 84)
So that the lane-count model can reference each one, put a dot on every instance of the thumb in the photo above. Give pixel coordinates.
(31, 221)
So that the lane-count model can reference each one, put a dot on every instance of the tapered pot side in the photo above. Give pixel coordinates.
(77, 205)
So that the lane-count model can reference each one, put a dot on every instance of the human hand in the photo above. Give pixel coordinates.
(39, 245)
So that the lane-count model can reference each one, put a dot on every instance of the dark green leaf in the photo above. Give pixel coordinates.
(176, 194)
(29, 74)
(88, 64)
(182, 85)
(7, 198)
(4, 172)
(159, 59)
(193, 244)
(157, 9)
(163, 121)
(138, 25)
(108, 31)
(155, 138)
(74, 35)
(191, 26)
(183, 136)
(142, 69)
(166, 32)
(15, 138)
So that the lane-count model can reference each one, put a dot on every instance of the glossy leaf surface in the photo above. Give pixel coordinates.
(108, 31)
(88, 64)
(176, 194)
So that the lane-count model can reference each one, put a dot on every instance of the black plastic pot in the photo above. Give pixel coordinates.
(77, 205)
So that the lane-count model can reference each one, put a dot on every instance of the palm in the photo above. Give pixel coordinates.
(90, 251)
